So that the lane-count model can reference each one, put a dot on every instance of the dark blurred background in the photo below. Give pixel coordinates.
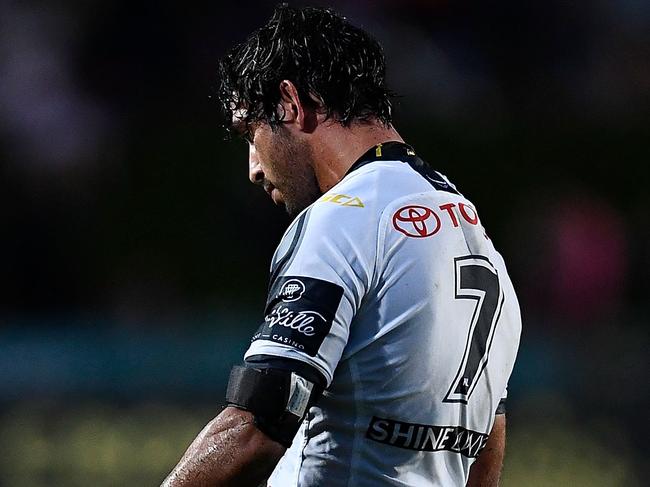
(135, 252)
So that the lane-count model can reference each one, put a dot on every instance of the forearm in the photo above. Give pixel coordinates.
(486, 470)
(230, 451)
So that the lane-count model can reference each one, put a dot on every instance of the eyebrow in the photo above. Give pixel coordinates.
(238, 127)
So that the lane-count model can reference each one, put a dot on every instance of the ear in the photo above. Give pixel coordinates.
(293, 110)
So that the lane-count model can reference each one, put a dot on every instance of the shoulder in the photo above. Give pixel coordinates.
(340, 231)
(348, 219)
(360, 198)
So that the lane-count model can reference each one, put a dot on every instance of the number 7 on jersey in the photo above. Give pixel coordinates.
(476, 279)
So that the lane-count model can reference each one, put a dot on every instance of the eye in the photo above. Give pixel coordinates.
(245, 132)
(241, 129)
(247, 135)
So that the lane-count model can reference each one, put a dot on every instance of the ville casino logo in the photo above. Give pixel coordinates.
(305, 322)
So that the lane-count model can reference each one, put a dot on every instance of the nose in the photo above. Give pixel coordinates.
(255, 173)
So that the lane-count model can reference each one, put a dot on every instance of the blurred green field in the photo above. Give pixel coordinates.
(101, 445)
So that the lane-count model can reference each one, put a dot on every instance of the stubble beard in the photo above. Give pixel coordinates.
(298, 183)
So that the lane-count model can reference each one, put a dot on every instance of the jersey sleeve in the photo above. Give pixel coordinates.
(319, 276)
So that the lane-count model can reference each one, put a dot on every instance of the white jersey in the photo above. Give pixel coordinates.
(389, 286)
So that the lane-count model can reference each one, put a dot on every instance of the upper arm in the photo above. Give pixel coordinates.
(486, 470)
(319, 276)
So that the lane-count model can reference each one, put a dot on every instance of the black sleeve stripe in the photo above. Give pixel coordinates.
(282, 363)
(285, 260)
(501, 408)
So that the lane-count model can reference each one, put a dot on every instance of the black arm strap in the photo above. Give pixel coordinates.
(501, 408)
(301, 368)
(278, 399)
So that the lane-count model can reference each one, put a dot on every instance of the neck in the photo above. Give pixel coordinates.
(339, 147)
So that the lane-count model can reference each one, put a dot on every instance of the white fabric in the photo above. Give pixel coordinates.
(400, 332)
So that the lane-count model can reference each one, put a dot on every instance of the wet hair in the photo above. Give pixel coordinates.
(331, 62)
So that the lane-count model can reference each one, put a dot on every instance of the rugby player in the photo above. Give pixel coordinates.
(391, 326)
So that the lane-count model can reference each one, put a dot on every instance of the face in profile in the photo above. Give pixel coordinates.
(283, 165)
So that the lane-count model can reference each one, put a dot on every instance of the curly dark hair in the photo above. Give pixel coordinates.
(321, 53)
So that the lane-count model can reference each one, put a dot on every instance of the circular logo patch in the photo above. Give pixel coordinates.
(292, 290)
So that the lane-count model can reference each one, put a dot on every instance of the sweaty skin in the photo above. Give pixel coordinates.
(486, 470)
(230, 451)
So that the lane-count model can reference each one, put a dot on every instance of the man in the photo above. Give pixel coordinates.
(391, 326)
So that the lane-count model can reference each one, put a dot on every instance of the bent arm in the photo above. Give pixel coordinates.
(230, 451)
(486, 470)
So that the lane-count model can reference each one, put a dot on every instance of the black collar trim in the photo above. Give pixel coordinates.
(399, 151)
(387, 151)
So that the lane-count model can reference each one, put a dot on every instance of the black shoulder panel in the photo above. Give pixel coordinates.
(284, 260)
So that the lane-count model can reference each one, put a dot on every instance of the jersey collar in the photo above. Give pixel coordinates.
(387, 151)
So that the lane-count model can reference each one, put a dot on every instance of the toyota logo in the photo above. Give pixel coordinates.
(416, 221)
